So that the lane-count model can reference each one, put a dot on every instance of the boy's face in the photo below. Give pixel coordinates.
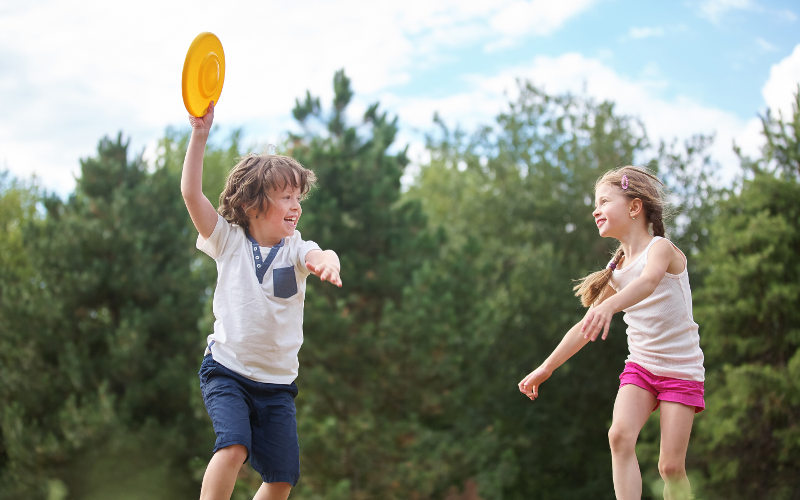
(280, 219)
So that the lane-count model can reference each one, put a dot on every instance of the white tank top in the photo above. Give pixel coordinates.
(662, 335)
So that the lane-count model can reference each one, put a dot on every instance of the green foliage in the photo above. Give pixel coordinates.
(750, 326)
(346, 413)
(99, 323)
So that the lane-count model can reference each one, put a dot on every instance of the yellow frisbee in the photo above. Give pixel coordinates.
(203, 73)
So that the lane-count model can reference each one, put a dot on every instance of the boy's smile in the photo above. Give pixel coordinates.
(281, 217)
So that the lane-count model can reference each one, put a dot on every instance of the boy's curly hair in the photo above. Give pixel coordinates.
(251, 180)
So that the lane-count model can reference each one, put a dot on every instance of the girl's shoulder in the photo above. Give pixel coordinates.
(677, 261)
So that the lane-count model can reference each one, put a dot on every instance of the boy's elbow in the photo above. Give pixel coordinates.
(189, 195)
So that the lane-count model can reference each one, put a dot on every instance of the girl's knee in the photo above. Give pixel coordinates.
(671, 470)
(621, 440)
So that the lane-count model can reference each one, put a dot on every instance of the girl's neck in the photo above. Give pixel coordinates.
(635, 244)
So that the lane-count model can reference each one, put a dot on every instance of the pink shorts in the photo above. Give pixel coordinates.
(687, 392)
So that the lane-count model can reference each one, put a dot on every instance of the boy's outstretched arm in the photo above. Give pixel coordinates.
(325, 265)
(200, 209)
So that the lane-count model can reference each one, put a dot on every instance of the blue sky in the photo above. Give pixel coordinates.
(73, 71)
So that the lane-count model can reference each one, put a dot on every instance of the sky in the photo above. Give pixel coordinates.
(75, 71)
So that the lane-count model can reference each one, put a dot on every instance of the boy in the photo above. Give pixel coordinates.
(249, 367)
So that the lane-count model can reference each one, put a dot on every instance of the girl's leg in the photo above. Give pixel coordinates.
(631, 409)
(273, 491)
(676, 426)
(223, 468)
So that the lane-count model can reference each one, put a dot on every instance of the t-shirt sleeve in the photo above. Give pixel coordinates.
(302, 250)
(214, 246)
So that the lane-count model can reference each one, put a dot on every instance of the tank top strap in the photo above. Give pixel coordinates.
(641, 259)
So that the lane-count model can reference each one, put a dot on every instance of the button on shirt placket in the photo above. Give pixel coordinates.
(261, 265)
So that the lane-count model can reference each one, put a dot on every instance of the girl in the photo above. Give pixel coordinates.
(648, 280)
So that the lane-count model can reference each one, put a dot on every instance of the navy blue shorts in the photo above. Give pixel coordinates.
(259, 416)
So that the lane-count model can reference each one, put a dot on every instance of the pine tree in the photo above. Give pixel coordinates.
(750, 326)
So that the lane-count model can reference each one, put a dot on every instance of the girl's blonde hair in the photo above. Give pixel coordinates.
(635, 182)
(250, 181)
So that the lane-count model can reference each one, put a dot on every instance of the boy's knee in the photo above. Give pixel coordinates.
(234, 454)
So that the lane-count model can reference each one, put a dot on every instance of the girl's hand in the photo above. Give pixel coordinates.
(597, 319)
(529, 386)
(203, 123)
(326, 271)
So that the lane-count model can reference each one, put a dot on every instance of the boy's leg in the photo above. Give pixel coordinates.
(223, 468)
(273, 491)
(676, 427)
(631, 409)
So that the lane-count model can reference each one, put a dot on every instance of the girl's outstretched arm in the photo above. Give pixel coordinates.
(573, 341)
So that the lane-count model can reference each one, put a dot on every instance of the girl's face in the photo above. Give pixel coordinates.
(612, 211)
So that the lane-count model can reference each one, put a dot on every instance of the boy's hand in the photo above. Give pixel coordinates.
(326, 271)
(325, 265)
(203, 123)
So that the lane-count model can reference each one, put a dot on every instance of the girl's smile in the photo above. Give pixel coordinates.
(611, 210)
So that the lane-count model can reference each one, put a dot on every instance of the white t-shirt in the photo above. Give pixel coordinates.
(662, 335)
(258, 326)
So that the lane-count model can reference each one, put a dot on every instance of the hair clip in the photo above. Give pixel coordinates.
(624, 183)
(612, 265)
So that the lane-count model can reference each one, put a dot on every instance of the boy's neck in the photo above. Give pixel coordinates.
(262, 237)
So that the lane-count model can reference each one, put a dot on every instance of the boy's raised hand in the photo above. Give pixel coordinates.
(203, 123)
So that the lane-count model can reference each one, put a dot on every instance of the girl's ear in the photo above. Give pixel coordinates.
(635, 207)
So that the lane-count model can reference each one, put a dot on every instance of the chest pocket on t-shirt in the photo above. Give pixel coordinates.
(284, 282)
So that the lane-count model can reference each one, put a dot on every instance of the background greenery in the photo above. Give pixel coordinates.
(457, 283)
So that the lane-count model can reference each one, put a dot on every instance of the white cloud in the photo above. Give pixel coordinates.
(72, 71)
(538, 17)
(713, 10)
(765, 46)
(75, 70)
(780, 88)
(645, 32)
(664, 118)
(522, 18)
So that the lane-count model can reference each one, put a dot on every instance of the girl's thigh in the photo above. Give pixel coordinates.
(632, 408)
(676, 427)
